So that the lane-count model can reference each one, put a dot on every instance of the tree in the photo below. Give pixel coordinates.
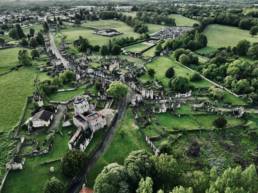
(235, 180)
(180, 84)
(254, 30)
(104, 50)
(167, 171)
(54, 186)
(195, 77)
(158, 49)
(34, 54)
(181, 189)
(73, 163)
(33, 43)
(184, 59)
(138, 165)
(253, 52)
(117, 90)
(68, 76)
(113, 178)
(13, 34)
(145, 186)
(2, 42)
(151, 72)
(220, 122)
(19, 31)
(32, 32)
(24, 42)
(242, 47)
(40, 39)
(45, 27)
(170, 73)
(216, 93)
(116, 49)
(23, 58)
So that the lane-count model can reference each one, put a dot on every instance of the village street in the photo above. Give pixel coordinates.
(56, 52)
(103, 146)
(61, 109)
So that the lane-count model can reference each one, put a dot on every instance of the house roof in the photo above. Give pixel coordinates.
(86, 190)
(43, 115)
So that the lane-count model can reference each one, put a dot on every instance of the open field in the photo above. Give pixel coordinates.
(132, 13)
(183, 21)
(138, 48)
(161, 65)
(36, 171)
(68, 95)
(8, 59)
(72, 33)
(224, 36)
(128, 137)
(155, 27)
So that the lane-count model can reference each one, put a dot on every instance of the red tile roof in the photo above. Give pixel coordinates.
(86, 190)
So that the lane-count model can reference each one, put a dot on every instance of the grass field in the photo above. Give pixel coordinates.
(224, 36)
(127, 138)
(182, 20)
(8, 58)
(72, 33)
(161, 65)
(155, 27)
(137, 48)
(36, 171)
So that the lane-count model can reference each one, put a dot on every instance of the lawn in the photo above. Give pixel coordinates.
(8, 58)
(72, 33)
(183, 21)
(36, 173)
(155, 27)
(68, 95)
(15, 87)
(126, 139)
(161, 64)
(224, 36)
(138, 48)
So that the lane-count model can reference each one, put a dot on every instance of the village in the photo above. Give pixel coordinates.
(166, 103)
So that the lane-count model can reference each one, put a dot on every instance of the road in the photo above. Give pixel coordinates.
(103, 146)
(61, 109)
(56, 52)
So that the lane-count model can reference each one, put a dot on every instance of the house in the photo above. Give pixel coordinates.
(41, 119)
(86, 190)
(96, 121)
(81, 105)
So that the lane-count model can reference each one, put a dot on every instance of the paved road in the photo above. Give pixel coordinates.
(61, 109)
(104, 146)
(56, 52)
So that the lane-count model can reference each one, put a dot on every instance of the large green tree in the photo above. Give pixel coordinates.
(145, 186)
(73, 163)
(138, 165)
(113, 178)
(54, 186)
(117, 90)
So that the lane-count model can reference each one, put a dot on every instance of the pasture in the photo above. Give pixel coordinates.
(73, 33)
(183, 21)
(223, 36)
(8, 59)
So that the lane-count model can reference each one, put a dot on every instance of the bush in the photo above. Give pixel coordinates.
(195, 77)
(220, 122)
(170, 73)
